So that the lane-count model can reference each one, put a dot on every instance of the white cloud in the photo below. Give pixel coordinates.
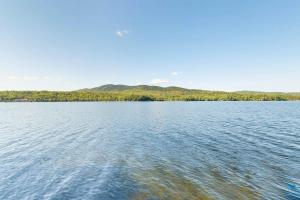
(174, 73)
(28, 78)
(159, 81)
(12, 78)
(121, 33)
(23, 78)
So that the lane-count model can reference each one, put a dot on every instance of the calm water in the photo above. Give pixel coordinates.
(159, 150)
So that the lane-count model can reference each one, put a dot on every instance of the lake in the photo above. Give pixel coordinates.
(150, 150)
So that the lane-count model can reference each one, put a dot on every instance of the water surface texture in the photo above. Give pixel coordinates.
(157, 150)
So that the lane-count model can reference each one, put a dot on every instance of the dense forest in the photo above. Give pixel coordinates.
(143, 93)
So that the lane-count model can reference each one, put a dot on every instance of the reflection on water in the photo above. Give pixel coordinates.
(150, 151)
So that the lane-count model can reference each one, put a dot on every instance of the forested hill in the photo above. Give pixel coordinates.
(143, 93)
(118, 88)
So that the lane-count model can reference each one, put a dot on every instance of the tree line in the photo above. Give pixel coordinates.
(54, 96)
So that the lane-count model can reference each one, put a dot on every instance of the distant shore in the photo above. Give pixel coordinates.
(143, 95)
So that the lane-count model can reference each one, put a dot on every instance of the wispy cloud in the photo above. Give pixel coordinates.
(174, 73)
(122, 33)
(23, 78)
(12, 78)
(159, 81)
(29, 78)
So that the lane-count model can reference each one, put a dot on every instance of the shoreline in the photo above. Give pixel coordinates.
(121, 101)
(143, 95)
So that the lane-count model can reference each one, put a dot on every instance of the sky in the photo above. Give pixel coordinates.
(228, 45)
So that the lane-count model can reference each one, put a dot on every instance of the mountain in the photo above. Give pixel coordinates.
(111, 87)
(112, 92)
(118, 88)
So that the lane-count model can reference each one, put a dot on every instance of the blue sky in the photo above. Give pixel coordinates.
(207, 44)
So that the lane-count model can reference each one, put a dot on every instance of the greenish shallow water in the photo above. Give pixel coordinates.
(150, 150)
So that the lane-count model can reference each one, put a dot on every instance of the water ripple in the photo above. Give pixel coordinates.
(157, 150)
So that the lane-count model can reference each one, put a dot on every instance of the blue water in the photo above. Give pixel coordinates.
(157, 150)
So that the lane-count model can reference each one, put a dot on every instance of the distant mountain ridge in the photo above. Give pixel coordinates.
(120, 87)
(111, 92)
